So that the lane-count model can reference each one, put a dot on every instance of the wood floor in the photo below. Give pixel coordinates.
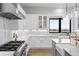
(40, 52)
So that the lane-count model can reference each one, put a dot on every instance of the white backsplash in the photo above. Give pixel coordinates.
(4, 33)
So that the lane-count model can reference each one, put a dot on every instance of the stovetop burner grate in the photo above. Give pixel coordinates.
(11, 46)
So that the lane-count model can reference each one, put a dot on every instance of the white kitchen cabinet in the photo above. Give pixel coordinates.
(40, 42)
(42, 22)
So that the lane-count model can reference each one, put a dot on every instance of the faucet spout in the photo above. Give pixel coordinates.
(15, 36)
(75, 37)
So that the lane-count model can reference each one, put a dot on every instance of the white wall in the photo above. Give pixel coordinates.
(30, 23)
(4, 32)
(7, 25)
(12, 24)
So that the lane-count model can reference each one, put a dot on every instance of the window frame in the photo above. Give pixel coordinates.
(59, 25)
(49, 25)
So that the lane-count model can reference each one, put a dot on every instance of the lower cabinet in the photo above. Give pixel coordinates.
(57, 53)
(53, 48)
(66, 53)
(40, 42)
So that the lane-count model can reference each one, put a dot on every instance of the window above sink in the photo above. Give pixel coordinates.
(59, 25)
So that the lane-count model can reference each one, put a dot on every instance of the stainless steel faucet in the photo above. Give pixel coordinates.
(75, 36)
(15, 36)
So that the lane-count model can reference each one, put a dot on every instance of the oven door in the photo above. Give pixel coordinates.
(22, 50)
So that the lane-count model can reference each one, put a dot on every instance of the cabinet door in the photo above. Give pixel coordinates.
(53, 48)
(40, 21)
(40, 42)
(44, 21)
(57, 53)
(33, 42)
(47, 42)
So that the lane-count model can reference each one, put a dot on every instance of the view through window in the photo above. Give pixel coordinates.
(59, 25)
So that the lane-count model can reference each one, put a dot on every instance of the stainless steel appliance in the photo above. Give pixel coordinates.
(16, 48)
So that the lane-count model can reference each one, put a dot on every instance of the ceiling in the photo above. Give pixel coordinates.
(49, 5)
(48, 8)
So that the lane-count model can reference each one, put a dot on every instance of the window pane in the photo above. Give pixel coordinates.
(65, 25)
(54, 25)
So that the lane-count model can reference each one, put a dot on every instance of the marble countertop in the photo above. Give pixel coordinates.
(71, 49)
(63, 40)
(56, 40)
(63, 45)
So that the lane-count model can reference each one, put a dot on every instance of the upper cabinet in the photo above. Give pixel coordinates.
(42, 22)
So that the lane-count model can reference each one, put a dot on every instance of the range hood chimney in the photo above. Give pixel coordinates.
(7, 14)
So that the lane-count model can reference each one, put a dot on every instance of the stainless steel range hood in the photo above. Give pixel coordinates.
(8, 15)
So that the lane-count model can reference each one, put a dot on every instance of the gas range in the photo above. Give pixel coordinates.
(11, 46)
